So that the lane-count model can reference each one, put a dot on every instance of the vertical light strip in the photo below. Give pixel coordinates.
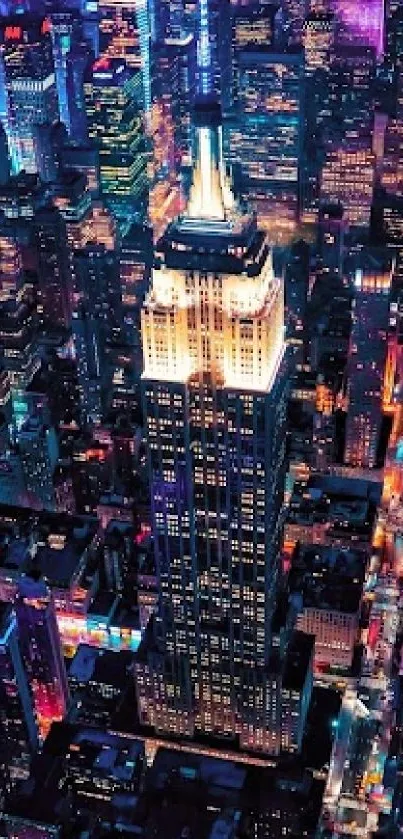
(203, 49)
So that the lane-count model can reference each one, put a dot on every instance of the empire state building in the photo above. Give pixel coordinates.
(217, 660)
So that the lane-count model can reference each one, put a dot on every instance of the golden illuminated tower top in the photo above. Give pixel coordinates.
(215, 307)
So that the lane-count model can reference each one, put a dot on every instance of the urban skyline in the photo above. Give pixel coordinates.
(201, 438)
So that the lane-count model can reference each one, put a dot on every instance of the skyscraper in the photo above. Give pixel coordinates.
(214, 401)
(366, 362)
(41, 652)
(30, 84)
(39, 451)
(266, 141)
(18, 734)
(115, 121)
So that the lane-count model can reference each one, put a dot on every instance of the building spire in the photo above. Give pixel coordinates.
(210, 193)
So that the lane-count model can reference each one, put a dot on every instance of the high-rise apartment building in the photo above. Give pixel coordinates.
(214, 400)
(41, 652)
(30, 84)
(18, 733)
(18, 311)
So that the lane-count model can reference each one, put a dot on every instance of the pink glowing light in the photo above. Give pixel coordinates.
(363, 21)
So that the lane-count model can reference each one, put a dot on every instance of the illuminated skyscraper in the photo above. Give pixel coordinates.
(18, 312)
(348, 179)
(126, 31)
(41, 652)
(214, 402)
(265, 143)
(30, 84)
(116, 124)
(252, 28)
(18, 734)
(366, 362)
(39, 451)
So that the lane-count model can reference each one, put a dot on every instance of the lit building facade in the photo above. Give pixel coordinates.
(18, 733)
(214, 399)
(30, 83)
(335, 632)
(318, 41)
(265, 144)
(39, 451)
(348, 179)
(366, 366)
(41, 652)
(362, 22)
(115, 116)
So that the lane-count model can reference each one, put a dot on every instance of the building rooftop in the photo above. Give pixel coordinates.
(345, 503)
(184, 795)
(103, 667)
(50, 545)
(328, 578)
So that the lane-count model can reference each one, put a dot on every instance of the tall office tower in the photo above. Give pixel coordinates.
(55, 281)
(41, 652)
(38, 449)
(66, 32)
(318, 40)
(86, 220)
(125, 31)
(97, 322)
(214, 402)
(352, 91)
(49, 139)
(135, 263)
(394, 38)
(18, 312)
(348, 179)
(30, 83)
(116, 125)
(183, 51)
(18, 733)
(265, 143)
(366, 361)
(86, 339)
(78, 60)
(392, 163)
(83, 159)
(253, 27)
(330, 245)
